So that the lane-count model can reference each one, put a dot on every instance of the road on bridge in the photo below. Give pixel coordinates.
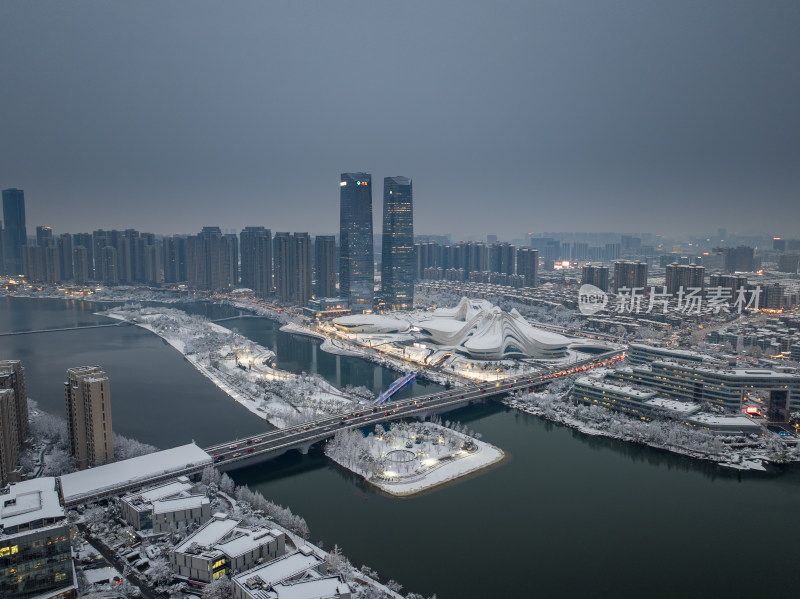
(278, 441)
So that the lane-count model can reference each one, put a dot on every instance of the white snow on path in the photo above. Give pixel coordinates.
(317, 396)
(486, 455)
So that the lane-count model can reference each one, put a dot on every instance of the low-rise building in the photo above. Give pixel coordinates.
(298, 575)
(222, 546)
(624, 398)
(35, 549)
(725, 388)
(166, 507)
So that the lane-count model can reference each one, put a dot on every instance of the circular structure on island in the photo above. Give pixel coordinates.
(401, 461)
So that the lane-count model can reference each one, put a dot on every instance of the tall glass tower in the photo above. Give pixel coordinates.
(15, 235)
(397, 255)
(356, 260)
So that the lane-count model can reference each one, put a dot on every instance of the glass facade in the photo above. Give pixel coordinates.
(15, 235)
(36, 563)
(397, 255)
(356, 260)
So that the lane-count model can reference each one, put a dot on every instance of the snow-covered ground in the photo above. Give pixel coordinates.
(411, 457)
(739, 452)
(240, 367)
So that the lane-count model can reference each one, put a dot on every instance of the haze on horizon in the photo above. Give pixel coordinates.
(671, 117)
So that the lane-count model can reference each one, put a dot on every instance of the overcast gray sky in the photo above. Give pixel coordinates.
(673, 116)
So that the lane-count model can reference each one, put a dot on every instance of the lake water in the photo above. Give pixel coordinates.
(565, 515)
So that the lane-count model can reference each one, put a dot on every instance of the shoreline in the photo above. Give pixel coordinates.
(478, 468)
(746, 465)
(273, 408)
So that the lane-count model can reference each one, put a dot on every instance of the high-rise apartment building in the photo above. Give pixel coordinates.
(630, 275)
(44, 236)
(300, 256)
(212, 260)
(35, 547)
(595, 275)
(686, 276)
(13, 416)
(427, 254)
(397, 252)
(501, 258)
(292, 265)
(9, 436)
(356, 250)
(325, 266)
(15, 235)
(174, 259)
(788, 263)
(81, 269)
(64, 244)
(282, 266)
(256, 253)
(85, 240)
(108, 266)
(528, 265)
(87, 394)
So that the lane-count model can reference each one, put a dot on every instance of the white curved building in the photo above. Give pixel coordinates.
(371, 323)
(484, 331)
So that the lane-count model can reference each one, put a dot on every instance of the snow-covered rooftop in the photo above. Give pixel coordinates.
(598, 383)
(278, 570)
(180, 503)
(30, 501)
(160, 492)
(741, 422)
(320, 588)
(209, 534)
(682, 407)
(89, 482)
(246, 540)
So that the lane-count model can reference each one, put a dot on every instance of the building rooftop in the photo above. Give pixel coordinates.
(319, 588)
(160, 492)
(28, 502)
(245, 540)
(92, 481)
(209, 534)
(681, 407)
(727, 421)
(190, 502)
(277, 570)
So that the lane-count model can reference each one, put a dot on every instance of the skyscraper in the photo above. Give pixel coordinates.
(501, 258)
(397, 255)
(80, 263)
(212, 260)
(528, 265)
(15, 235)
(64, 242)
(595, 275)
(13, 416)
(44, 235)
(256, 252)
(282, 266)
(356, 260)
(686, 276)
(88, 401)
(174, 259)
(300, 256)
(325, 266)
(292, 265)
(630, 274)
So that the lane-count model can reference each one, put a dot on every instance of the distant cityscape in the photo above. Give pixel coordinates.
(689, 346)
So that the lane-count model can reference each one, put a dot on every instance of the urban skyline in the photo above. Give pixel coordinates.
(604, 121)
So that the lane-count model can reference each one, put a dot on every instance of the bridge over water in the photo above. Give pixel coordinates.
(266, 446)
(259, 448)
